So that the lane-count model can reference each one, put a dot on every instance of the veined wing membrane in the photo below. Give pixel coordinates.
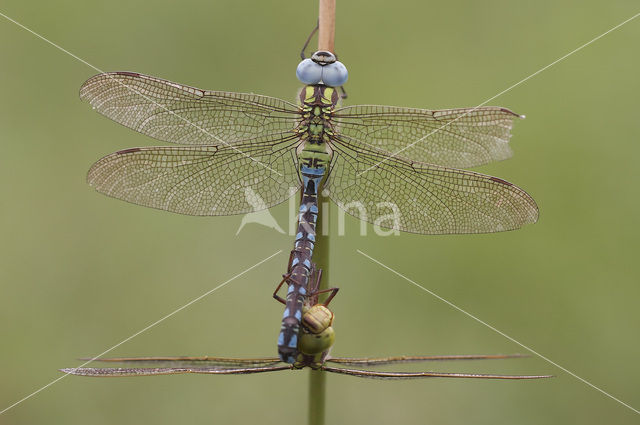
(176, 113)
(459, 138)
(380, 361)
(203, 180)
(110, 372)
(415, 375)
(422, 198)
(185, 361)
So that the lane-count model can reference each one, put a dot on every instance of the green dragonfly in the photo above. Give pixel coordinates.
(316, 339)
(389, 164)
(246, 145)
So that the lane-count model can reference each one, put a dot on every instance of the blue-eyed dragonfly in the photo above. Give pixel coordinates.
(315, 341)
(242, 147)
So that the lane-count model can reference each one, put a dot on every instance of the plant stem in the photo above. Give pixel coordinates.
(327, 25)
(317, 378)
(317, 384)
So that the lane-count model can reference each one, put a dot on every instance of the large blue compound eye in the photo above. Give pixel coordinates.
(334, 74)
(309, 72)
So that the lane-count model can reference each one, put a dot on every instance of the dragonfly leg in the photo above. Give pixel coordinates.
(277, 297)
(317, 277)
(333, 291)
(344, 93)
(306, 43)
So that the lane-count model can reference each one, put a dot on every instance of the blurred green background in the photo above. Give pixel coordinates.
(80, 272)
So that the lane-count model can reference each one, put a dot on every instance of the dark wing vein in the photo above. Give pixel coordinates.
(193, 361)
(414, 375)
(142, 371)
(203, 180)
(423, 198)
(459, 138)
(186, 115)
(379, 361)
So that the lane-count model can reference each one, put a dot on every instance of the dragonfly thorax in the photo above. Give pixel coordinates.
(315, 128)
(319, 95)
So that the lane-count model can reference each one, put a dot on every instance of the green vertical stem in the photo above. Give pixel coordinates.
(321, 248)
(317, 386)
(317, 378)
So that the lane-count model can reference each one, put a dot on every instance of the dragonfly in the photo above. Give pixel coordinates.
(302, 294)
(317, 337)
(401, 168)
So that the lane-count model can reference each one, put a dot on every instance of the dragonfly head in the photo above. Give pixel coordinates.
(312, 344)
(317, 318)
(317, 335)
(323, 58)
(322, 68)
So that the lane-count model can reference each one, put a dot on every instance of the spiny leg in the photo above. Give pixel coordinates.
(333, 291)
(306, 43)
(285, 278)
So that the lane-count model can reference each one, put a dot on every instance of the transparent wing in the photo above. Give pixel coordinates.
(203, 180)
(379, 361)
(182, 361)
(99, 372)
(422, 198)
(459, 138)
(181, 114)
(414, 375)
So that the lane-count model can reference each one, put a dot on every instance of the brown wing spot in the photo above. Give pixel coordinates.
(497, 180)
(130, 150)
(509, 111)
(130, 74)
